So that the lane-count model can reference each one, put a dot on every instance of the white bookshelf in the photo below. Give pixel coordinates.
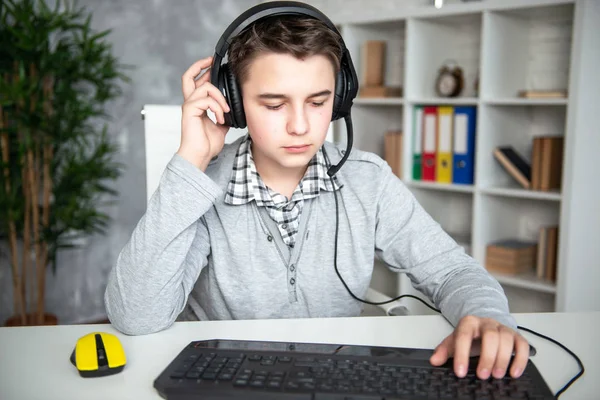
(509, 46)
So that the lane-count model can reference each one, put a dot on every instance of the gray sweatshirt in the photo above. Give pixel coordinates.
(193, 257)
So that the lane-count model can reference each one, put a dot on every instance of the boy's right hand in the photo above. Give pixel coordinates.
(201, 138)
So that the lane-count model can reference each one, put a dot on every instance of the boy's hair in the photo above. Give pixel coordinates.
(299, 36)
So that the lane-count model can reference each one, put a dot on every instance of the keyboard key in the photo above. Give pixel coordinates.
(255, 357)
(209, 376)
(177, 374)
(240, 382)
(274, 384)
(225, 377)
(192, 375)
(257, 383)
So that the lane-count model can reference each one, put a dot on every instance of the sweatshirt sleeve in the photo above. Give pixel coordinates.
(159, 265)
(409, 240)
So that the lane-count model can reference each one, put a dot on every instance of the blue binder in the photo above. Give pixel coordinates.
(464, 144)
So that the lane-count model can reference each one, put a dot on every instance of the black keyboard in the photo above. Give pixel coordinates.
(218, 369)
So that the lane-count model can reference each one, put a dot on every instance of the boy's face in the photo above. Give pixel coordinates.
(288, 104)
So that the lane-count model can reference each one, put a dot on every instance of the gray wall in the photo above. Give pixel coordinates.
(161, 38)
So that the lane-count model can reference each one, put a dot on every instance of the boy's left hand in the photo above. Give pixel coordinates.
(497, 345)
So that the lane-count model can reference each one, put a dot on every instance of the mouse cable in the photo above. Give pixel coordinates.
(561, 391)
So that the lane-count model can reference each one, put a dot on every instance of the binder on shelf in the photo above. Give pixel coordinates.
(417, 143)
(465, 119)
(443, 164)
(429, 143)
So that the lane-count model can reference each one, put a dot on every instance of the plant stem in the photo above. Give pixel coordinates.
(18, 299)
(32, 161)
(48, 155)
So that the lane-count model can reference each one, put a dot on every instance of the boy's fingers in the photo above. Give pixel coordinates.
(443, 351)
(521, 356)
(464, 334)
(188, 78)
(505, 350)
(203, 79)
(208, 89)
(490, 341)
(200, 106)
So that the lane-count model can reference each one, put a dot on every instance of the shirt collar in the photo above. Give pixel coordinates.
(246, 185)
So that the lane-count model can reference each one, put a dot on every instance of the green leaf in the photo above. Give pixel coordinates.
(59, 43)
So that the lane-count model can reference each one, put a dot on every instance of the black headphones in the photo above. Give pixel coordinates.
(221, 76)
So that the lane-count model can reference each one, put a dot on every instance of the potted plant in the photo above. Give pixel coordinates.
(57, 160)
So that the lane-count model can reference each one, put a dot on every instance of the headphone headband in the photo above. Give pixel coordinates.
(258, 12)
(264, 10)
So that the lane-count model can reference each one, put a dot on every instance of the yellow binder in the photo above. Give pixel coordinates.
(443, 157)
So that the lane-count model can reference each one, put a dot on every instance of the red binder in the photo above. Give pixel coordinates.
(429, 142)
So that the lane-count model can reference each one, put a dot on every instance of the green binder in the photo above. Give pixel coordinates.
(416, 145)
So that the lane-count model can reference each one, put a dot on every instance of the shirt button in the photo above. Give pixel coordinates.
(292, 268)
(284, 226)
(270, 238)
(292, 281)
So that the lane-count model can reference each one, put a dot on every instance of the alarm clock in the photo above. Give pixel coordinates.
(450, 80)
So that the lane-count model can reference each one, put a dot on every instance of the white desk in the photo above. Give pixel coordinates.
(34, 361)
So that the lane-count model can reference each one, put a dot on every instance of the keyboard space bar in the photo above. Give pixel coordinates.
(258, 395)
(241, 394)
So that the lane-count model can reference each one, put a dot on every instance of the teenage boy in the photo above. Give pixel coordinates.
(247, 230)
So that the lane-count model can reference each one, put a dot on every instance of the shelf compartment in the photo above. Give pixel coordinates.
(500, 218)
(452, 210)
(432, 42)
(394, 35)
(514, 126)
(526, 49)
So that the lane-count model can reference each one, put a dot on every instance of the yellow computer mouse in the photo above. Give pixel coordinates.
(98, 354)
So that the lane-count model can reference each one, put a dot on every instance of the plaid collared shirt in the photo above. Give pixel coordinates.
(246, 185)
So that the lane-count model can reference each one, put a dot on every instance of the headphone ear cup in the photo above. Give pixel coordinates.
(340, 94)
(236, 118)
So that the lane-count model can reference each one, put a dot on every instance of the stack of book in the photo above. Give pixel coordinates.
(511, 256)
(393, 151)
